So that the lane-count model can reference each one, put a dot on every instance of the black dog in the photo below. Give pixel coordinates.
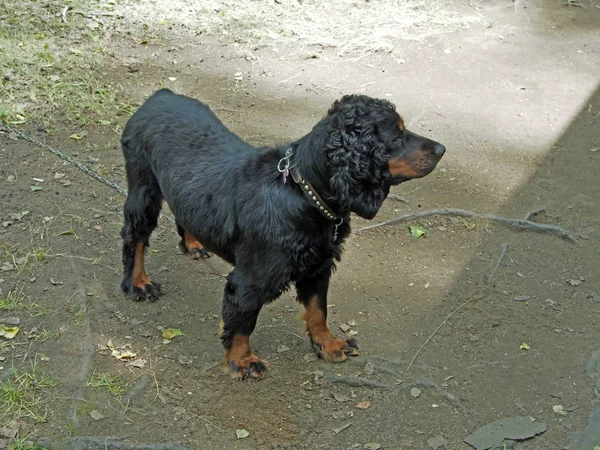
(278, 214)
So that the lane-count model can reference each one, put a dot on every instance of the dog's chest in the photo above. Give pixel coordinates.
(314, 258)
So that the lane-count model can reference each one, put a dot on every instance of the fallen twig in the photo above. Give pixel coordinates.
(63, 14)
(362, 361)
(440, 326)
(518, 224)
(533, 213)
(504, 247)
(357, 381)
(453, 399)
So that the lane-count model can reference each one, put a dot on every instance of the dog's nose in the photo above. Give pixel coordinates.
(439, 150)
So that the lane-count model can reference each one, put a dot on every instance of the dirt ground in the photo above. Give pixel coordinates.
(515, 98)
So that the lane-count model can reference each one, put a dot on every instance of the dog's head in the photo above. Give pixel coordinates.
(368, 149)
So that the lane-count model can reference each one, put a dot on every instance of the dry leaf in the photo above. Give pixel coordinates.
(139, 363)
(123, 355)
(170, 333)
(96, 415)
(363, 405)
(524, 346)
(9, 332)
(558, 409)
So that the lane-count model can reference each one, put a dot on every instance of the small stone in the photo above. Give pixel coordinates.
(96, 415)
(310, 357)
(574, 282)
(372, 446)
(521, 298)
(10, 320)
(241, 433)
(415, 392)
(10, 178)
(341, 397)
(345, 327)
(282, 349)
(369, 368)
(352, 333)
(20, 261)
(473, 337)
(437, 442)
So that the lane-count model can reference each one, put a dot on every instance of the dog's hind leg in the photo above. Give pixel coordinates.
(140, 213)
(190, 245)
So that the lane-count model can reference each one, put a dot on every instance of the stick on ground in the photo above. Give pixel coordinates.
(517, 224)
(504, 247)
(440, 326)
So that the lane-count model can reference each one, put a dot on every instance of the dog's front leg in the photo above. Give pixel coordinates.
(312, 293)
(241, 306)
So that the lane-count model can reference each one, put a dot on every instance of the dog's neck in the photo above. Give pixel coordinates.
(309, 173)
(309, 161)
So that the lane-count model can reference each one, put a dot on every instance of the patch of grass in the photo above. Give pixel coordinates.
(50, 68)
(22, 395)
(13, 300)
(16, 300)
(24, 444)
(78, 314)
(111, 383)
(40, 254)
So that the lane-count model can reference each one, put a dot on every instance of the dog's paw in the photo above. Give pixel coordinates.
(247, 368)
(198, 253)
(194, 249)
(148, 292)
(335, 350)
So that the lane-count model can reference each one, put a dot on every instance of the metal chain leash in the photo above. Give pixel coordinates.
(73, 162)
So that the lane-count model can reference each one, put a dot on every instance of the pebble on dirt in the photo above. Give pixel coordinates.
(437, 442)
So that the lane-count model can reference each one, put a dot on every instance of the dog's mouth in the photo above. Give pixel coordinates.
(403, 170)
(416, 163)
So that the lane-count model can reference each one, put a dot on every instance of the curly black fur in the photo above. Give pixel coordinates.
(230, 195)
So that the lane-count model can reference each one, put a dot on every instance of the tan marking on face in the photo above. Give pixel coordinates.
(402, 169)
(401, 124)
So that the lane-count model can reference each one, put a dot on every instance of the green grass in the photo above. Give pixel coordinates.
(15, 300)
(40, 254)
(24, 444)
(111, 383)
(22, 394)
(49, 69)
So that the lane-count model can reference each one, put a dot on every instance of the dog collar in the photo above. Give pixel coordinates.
(286, 169)
(313, 195)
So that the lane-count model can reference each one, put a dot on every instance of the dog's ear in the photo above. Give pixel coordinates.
(357, 158)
